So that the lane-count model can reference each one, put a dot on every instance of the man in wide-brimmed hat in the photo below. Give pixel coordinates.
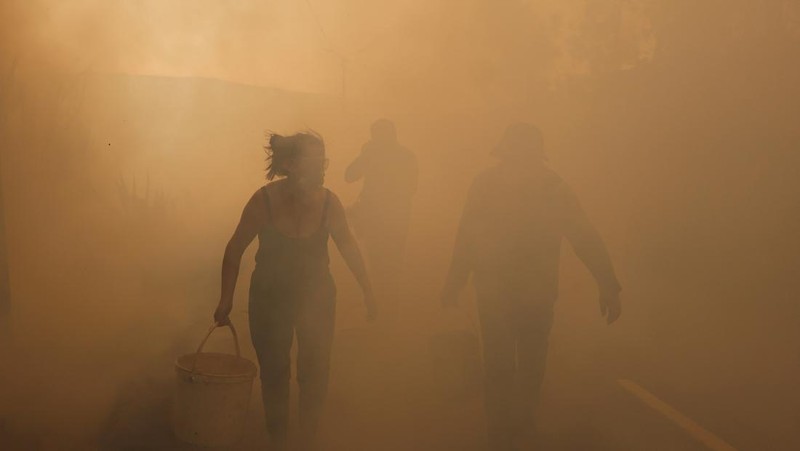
(509, 239)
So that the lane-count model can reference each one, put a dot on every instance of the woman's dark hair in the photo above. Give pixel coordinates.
(285, 148)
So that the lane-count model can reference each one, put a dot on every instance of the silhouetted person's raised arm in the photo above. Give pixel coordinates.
(382, 213)
(355, 171)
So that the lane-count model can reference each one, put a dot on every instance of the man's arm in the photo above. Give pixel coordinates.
(358, 167)
(460, 264)
(591, 250)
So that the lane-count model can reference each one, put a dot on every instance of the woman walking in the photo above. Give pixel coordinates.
(291, 289)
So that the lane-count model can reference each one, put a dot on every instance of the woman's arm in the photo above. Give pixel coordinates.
(252, 217)
(348, 247)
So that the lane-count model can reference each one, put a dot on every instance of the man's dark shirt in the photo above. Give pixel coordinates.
(511, 229)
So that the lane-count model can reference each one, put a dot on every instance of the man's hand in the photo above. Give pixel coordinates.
(610, 306)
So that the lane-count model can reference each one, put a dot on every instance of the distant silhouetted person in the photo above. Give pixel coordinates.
(382, 213)
(291, 289)
(509, 239)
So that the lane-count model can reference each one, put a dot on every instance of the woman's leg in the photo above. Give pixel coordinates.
(315, 326)
(272, 332)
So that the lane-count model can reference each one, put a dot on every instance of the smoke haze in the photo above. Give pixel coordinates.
(133, 134)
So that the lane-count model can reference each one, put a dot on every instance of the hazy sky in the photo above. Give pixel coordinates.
(290, 44)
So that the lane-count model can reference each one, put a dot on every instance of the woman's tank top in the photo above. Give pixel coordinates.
(292, 264)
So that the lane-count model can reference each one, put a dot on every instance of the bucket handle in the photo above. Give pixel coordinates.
(203, 343)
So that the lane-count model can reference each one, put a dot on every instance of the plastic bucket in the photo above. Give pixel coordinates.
(212, 395)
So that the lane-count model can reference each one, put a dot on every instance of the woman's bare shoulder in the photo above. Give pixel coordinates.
(256, 207)
(332, 197)
(268, 190)
(258, 195)
(273, 185)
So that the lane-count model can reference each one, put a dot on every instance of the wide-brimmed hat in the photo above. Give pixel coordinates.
(520, 139)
